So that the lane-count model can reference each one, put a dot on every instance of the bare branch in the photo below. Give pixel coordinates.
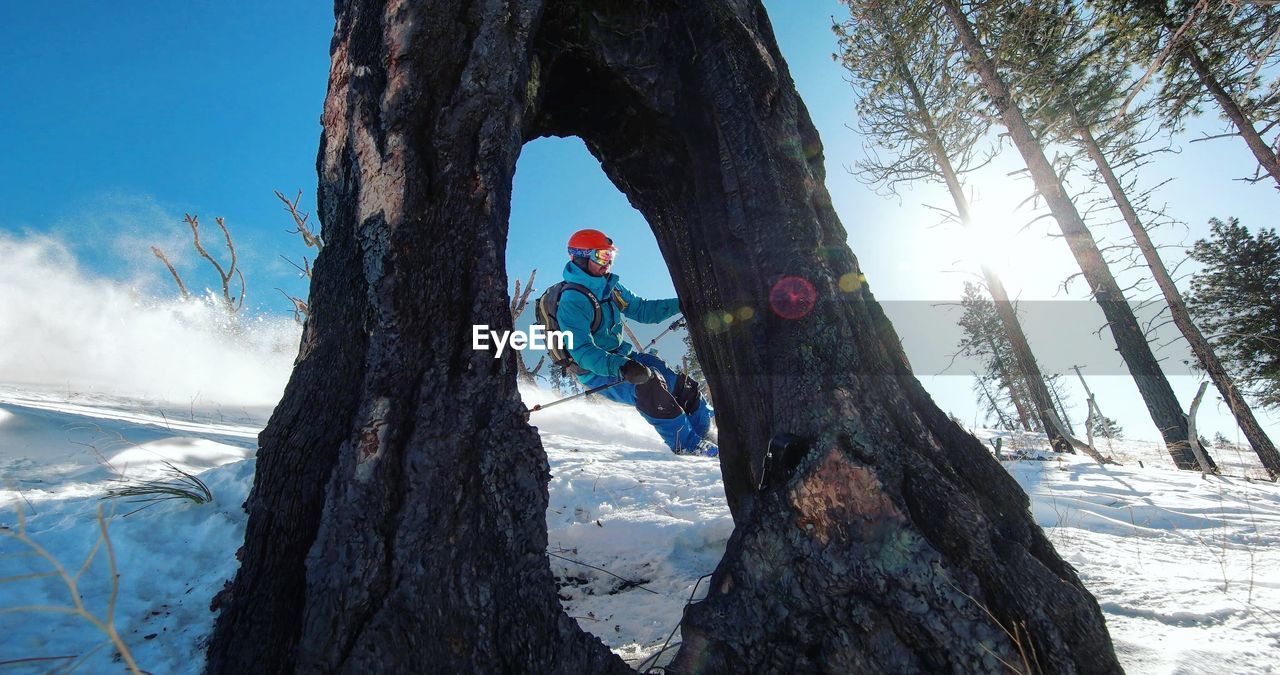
(182, 288)
(304, 268)
(518, 299)
(300, 225)
(225, 274)
(301, 311)
(1206, 137)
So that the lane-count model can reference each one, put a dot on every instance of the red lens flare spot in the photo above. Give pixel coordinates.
(792, 297)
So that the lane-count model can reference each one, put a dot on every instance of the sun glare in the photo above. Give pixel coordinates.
(1025, 258)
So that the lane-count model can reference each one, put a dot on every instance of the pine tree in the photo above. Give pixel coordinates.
(1207, 52)
(1237, 299)
(916, 103)
(689, 365)
(1156, 392)
(1000, 388)
(563, 382)
(1061, 398)
(1076, 93)
(1108, 427)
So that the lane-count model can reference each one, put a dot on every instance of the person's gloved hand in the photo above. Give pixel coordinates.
(635, 372)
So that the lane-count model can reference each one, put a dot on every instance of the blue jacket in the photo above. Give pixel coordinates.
(604, 351)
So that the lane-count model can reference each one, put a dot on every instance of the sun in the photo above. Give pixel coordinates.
(1008, 240)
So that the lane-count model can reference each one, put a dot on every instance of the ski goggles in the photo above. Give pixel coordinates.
(600, 256)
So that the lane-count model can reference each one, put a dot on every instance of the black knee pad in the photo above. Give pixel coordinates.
(688, 394)
(653, 399)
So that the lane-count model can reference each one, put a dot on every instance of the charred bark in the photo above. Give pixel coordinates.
(397, 518)
(401, 496)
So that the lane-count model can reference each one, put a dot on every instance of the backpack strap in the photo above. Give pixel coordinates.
(547, 306)
(595, 302)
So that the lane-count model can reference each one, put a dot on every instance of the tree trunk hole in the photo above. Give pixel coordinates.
(397, 521)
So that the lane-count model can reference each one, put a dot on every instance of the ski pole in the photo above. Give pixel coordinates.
(674, 325)
(592, 390)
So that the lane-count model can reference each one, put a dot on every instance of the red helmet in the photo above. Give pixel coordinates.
(590, 240)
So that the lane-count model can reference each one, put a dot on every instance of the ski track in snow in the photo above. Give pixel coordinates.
(1185, 568)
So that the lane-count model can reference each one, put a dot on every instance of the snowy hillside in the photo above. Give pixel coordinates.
(1187, 569)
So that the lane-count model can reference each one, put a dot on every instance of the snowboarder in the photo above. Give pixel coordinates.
(671, 402)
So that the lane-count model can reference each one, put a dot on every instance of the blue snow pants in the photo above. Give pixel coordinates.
(671, 403)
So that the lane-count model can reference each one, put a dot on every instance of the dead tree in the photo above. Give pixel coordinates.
(1193, 437)
(300, 225)
(397, 521)
(226, 275)
(1087, 446)
(519, 301)
(301, 310)
(232, 303)
(1095, 413)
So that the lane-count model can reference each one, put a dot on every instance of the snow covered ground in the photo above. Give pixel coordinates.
(1187, 569)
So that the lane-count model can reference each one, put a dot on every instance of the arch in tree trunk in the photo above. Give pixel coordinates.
(397, 518)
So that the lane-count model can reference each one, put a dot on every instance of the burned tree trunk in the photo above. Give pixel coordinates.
(397, 521)
(398, 516)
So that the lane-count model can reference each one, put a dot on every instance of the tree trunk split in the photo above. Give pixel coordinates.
(398, 517)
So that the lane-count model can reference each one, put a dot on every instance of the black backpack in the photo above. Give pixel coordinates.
(547, 305)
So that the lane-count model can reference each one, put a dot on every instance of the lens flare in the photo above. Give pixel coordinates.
(792, 297)
(851, 282)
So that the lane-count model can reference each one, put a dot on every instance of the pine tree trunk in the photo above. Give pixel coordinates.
(995, 406)
(1026, 360)
(1253, 431)
(1021, 387)
(397, 521)
(1007, 379)
(1161, 402)
(1261, 151)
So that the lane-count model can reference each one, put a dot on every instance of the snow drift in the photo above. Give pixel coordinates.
(65, 328)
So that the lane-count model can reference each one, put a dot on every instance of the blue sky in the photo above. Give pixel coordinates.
(120, 117)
